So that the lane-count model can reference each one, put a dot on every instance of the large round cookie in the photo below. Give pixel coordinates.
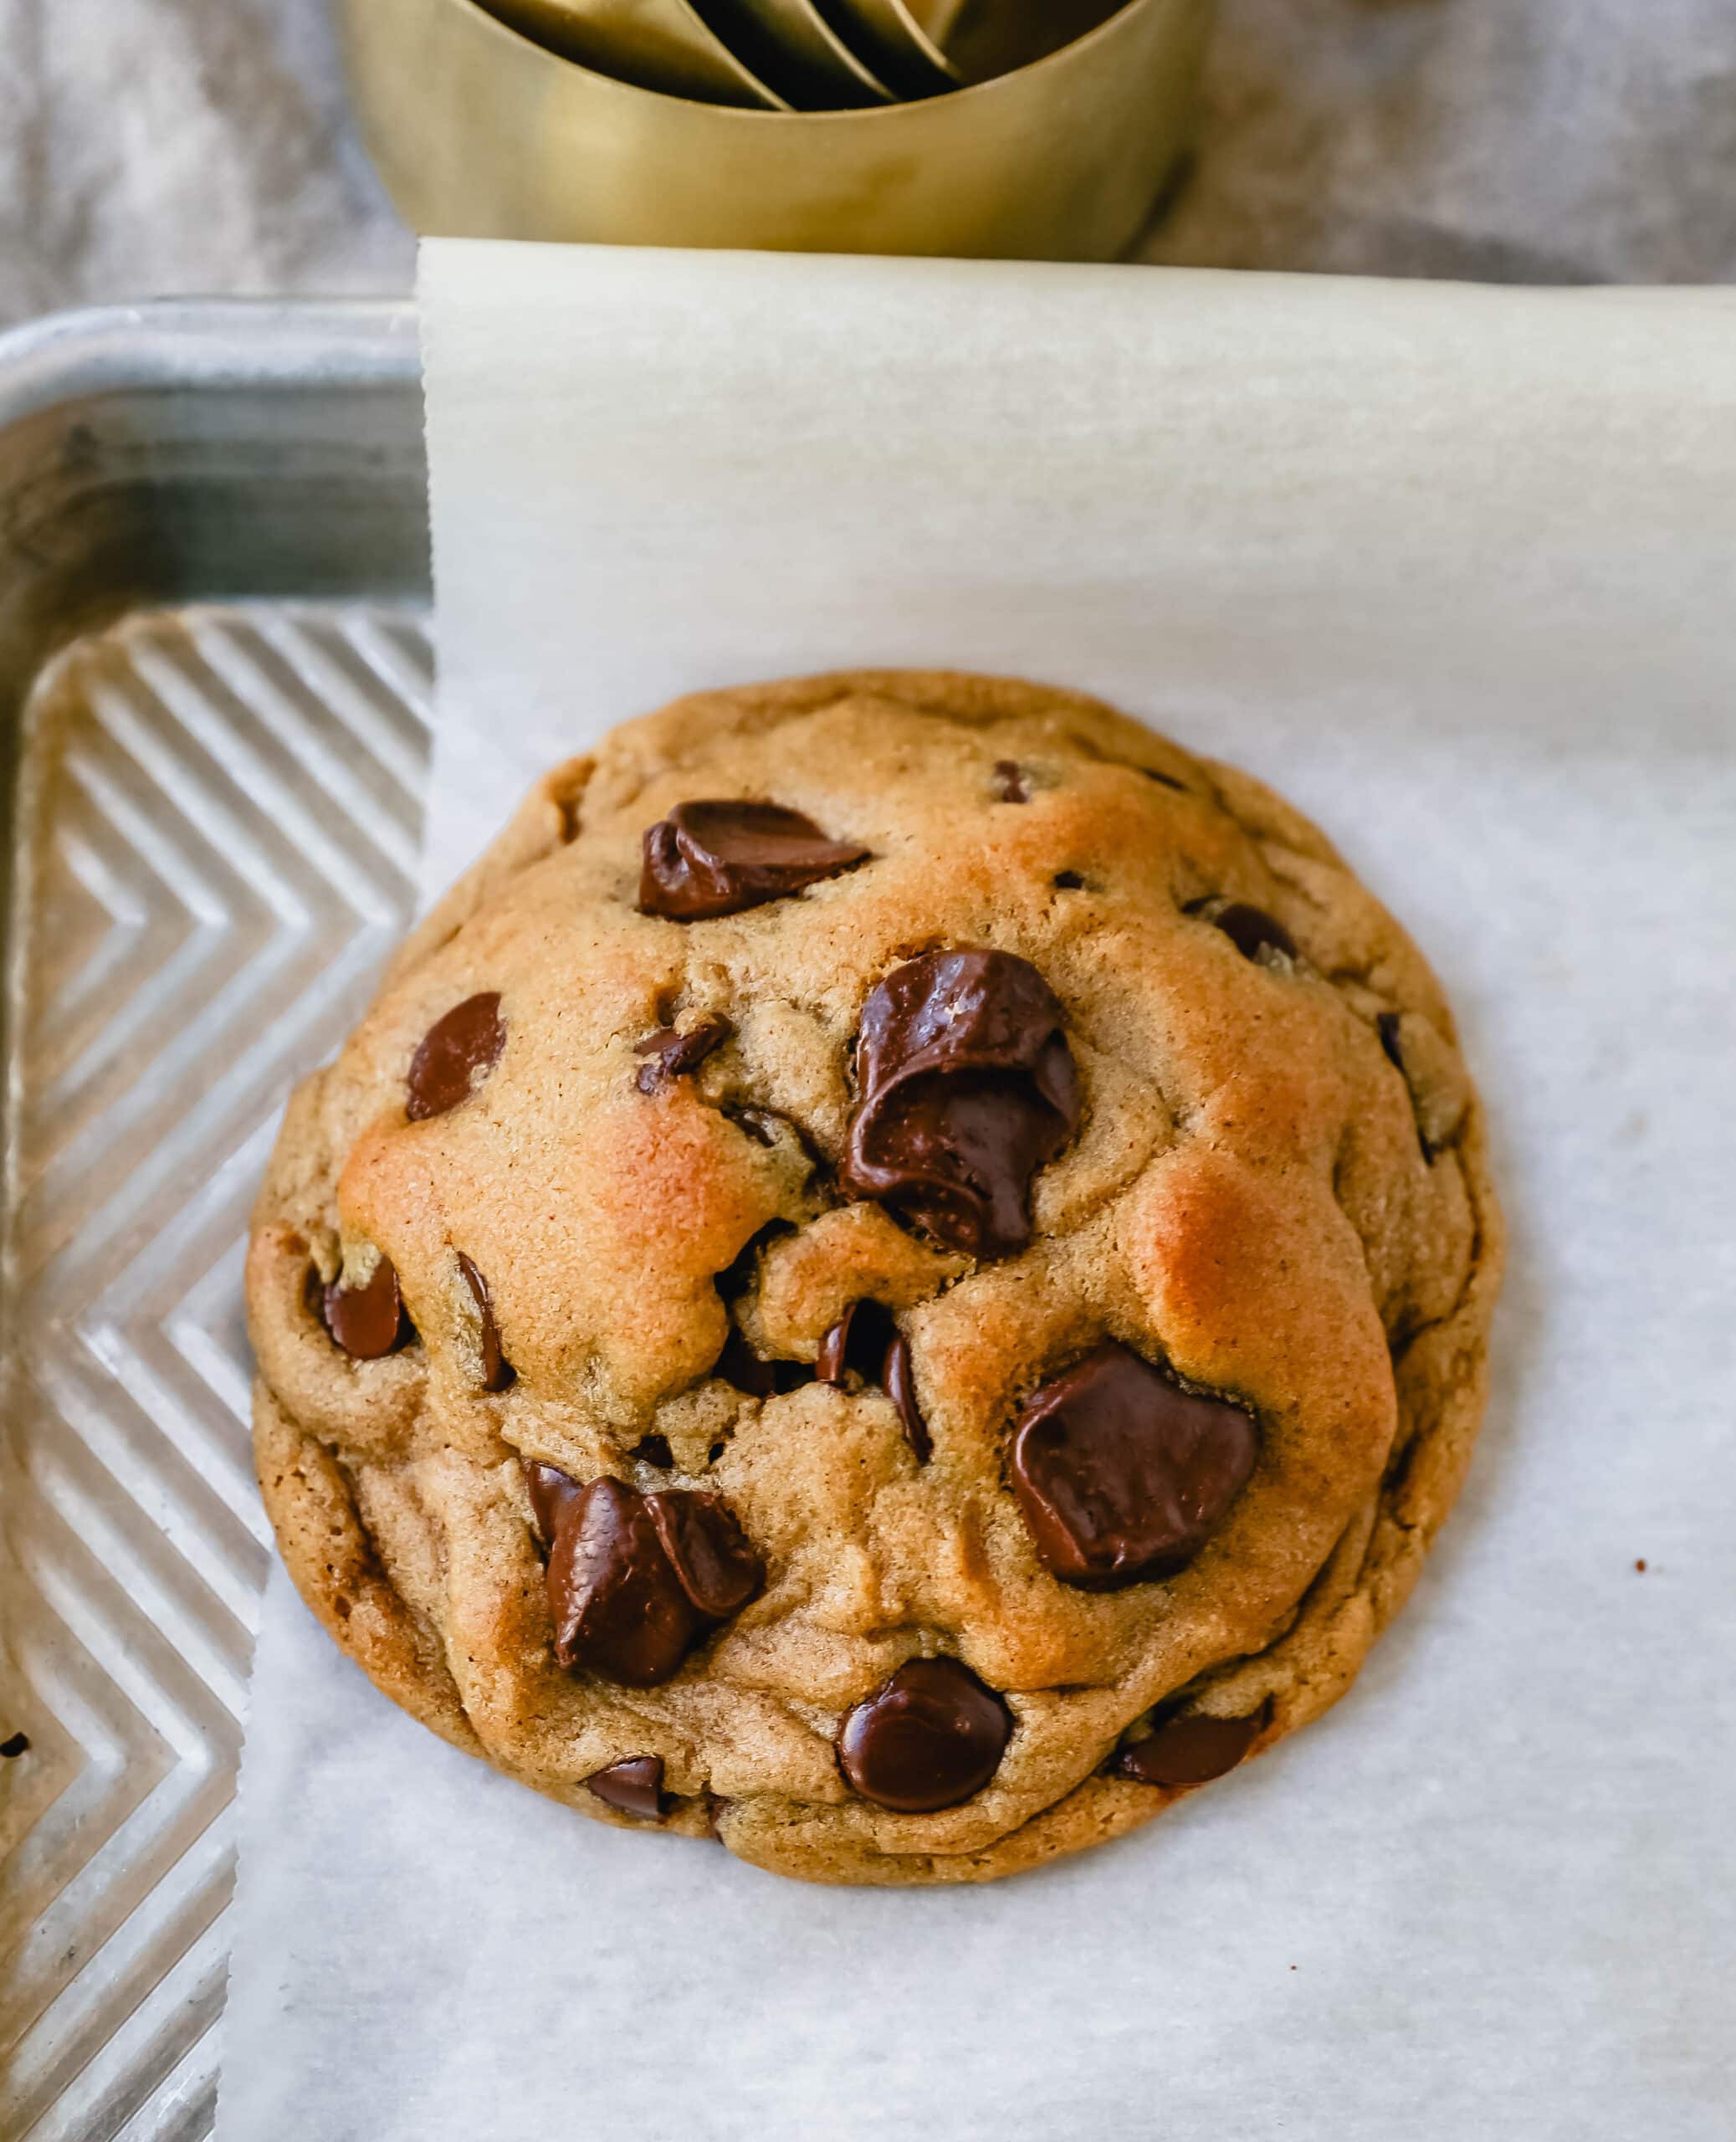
(900, 1274)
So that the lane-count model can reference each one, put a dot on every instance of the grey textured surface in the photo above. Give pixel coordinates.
(205, 893)
(152, 147)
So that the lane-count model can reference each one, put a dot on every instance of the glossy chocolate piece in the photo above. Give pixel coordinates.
(1191, 1751)
(634, 1787)
(635, 1581)
(967, 1088)
(368, 1322)
(670, 1055)
(1122, 1476)
(866, 1342)
(1253, 931)
(497, 1373)
(930, 1738)
(552, 1495)
(716, 857)
(900, 1388)
(620, 1611)
(857, 1343)
(457, 1053)
(712, 1560)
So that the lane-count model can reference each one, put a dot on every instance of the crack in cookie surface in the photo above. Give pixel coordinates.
(1241, 1200)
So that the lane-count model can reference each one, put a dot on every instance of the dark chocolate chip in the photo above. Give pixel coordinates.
(497, 1373)
(858, 1342)
(931, 1737)
(967, 1088)
(712, 858)
(672, 1055)
(1122, 1476)
(369, 1322)
(18, 1744)
(1253, 931)
(709, 1553)
(553, 1494)
(867, 1342)
(456, 1054)
(635, 1787)
(1191, 1751)
(901, 1390)
(620, 1611)
(635, 1581)
(654, 1450)
(1010, 781)
(1068, 881)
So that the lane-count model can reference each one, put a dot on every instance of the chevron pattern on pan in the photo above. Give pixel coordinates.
(218, 818)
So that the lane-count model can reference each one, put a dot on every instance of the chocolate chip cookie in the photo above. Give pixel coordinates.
(897, 1277)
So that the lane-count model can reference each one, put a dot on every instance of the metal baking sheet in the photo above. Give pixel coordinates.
(215, 674)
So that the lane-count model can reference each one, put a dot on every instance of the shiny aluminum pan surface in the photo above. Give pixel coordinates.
(214, 684)
(488, 135)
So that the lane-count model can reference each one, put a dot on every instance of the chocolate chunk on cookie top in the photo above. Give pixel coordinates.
(1192, 1749)
(368, 1320)
(456, 1054)
(636, 1581)
(712, 858)
(497, 1371)
(634, 1787)
(917, 1203)
(967, 1089)
(931, 1737)
(1122, 1475)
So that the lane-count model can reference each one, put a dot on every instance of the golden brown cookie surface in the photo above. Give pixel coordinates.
(902, 1271)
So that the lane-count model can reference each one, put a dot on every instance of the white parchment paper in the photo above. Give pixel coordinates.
(1456, 570)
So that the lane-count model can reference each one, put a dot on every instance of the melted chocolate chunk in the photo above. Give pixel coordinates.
(15, 1745)
(672, 1055)
(1253, 931)
(635, 1581)
(967, 1088)
(635, 1787)
(1191, 1751)
(931, 1737)
(866, 1342)
(497, 1373)
(552, 1495)
(712, 1560)
(456, 1055)
(1010, 781)
(654, 1450)
(620, 1611)
(858, 1341)
(901, 1390)
(710, 859)
(1122, 1476)
(369, 1322)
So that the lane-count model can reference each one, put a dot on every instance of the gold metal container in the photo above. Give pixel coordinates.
(480, 133)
